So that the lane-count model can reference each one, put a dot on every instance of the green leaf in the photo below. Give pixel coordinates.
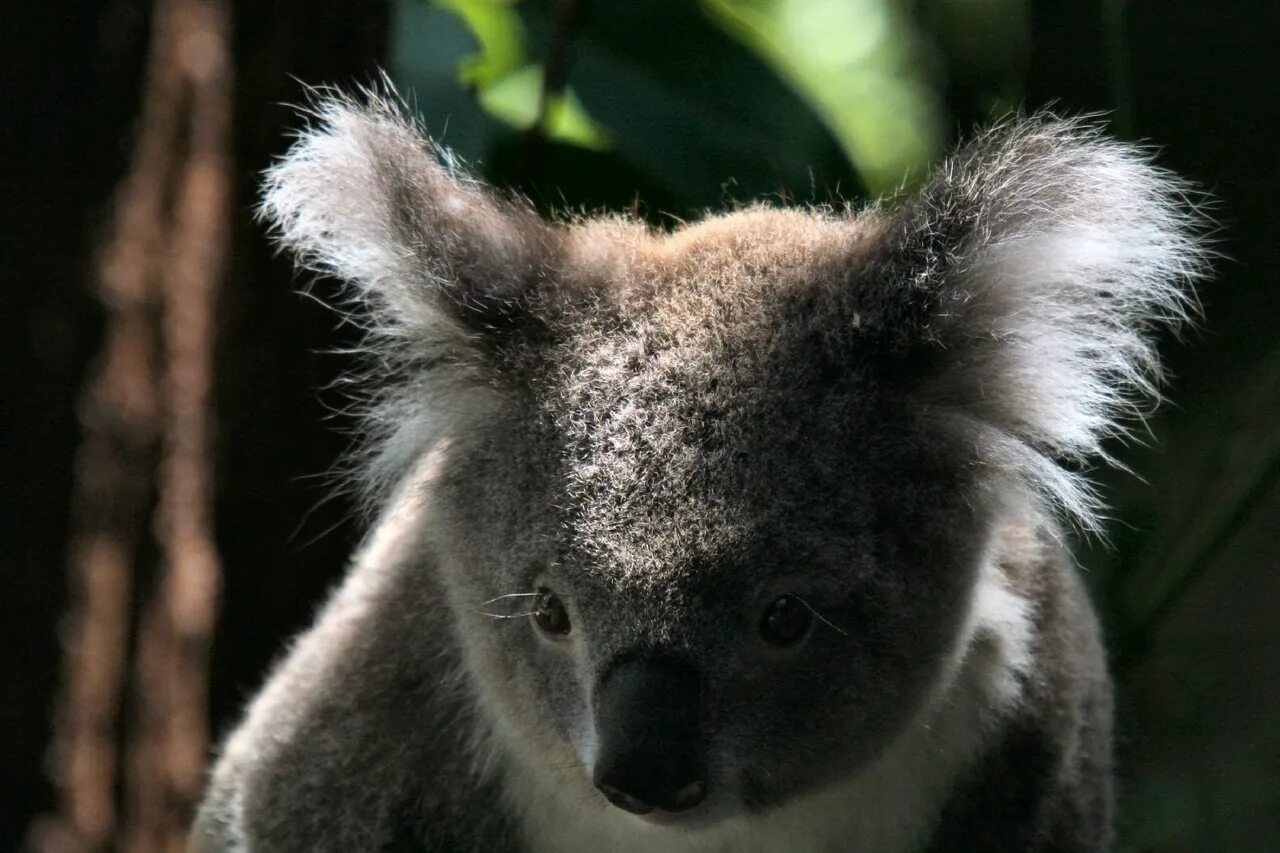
(500, 35)
(856, 63)
(692, 108)
(517, 98)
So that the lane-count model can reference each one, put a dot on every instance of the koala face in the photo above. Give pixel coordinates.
(716, 513)
(715, 502)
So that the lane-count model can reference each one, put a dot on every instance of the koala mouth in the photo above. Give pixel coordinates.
(681, 801)
(704, 816)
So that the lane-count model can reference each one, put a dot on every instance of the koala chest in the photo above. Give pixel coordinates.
(889, 806)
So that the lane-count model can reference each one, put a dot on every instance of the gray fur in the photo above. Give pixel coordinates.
(870, 410)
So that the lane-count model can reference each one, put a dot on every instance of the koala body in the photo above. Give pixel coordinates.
(747, 536)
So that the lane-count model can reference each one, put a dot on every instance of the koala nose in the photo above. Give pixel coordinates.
(648, 721)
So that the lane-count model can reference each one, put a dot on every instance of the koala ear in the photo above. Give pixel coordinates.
(437, 265)
(1033, 267)
(364, 196)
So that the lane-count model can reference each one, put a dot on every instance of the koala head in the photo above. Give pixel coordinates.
(712, 503)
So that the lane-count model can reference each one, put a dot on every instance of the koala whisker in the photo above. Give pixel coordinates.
(514, 595)
(506, 615)
(824, 620)
(509, 595)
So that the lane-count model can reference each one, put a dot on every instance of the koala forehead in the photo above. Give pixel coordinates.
(704, 409)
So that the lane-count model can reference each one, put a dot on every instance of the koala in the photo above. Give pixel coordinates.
(746, 535)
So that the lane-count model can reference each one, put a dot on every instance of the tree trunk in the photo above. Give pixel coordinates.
(184, 267)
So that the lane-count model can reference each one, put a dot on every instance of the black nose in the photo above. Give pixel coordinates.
(649, 723)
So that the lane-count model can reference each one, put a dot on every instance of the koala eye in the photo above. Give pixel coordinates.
(550, 615)
(786, 621)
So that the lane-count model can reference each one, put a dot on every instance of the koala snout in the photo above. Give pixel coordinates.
(649, 724)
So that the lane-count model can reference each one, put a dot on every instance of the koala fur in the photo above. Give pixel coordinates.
(878, 415)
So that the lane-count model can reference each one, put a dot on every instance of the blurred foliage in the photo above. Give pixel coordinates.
(858, 64)
(654, 109)
(853, 61)
(669, 107)
(510, 87)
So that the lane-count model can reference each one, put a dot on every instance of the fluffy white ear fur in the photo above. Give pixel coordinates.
(1048, 254)
(430, 257)
(363, 195)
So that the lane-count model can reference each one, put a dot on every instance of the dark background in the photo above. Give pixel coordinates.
(673, 106)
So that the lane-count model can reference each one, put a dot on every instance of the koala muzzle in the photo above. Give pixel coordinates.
(648, 719)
